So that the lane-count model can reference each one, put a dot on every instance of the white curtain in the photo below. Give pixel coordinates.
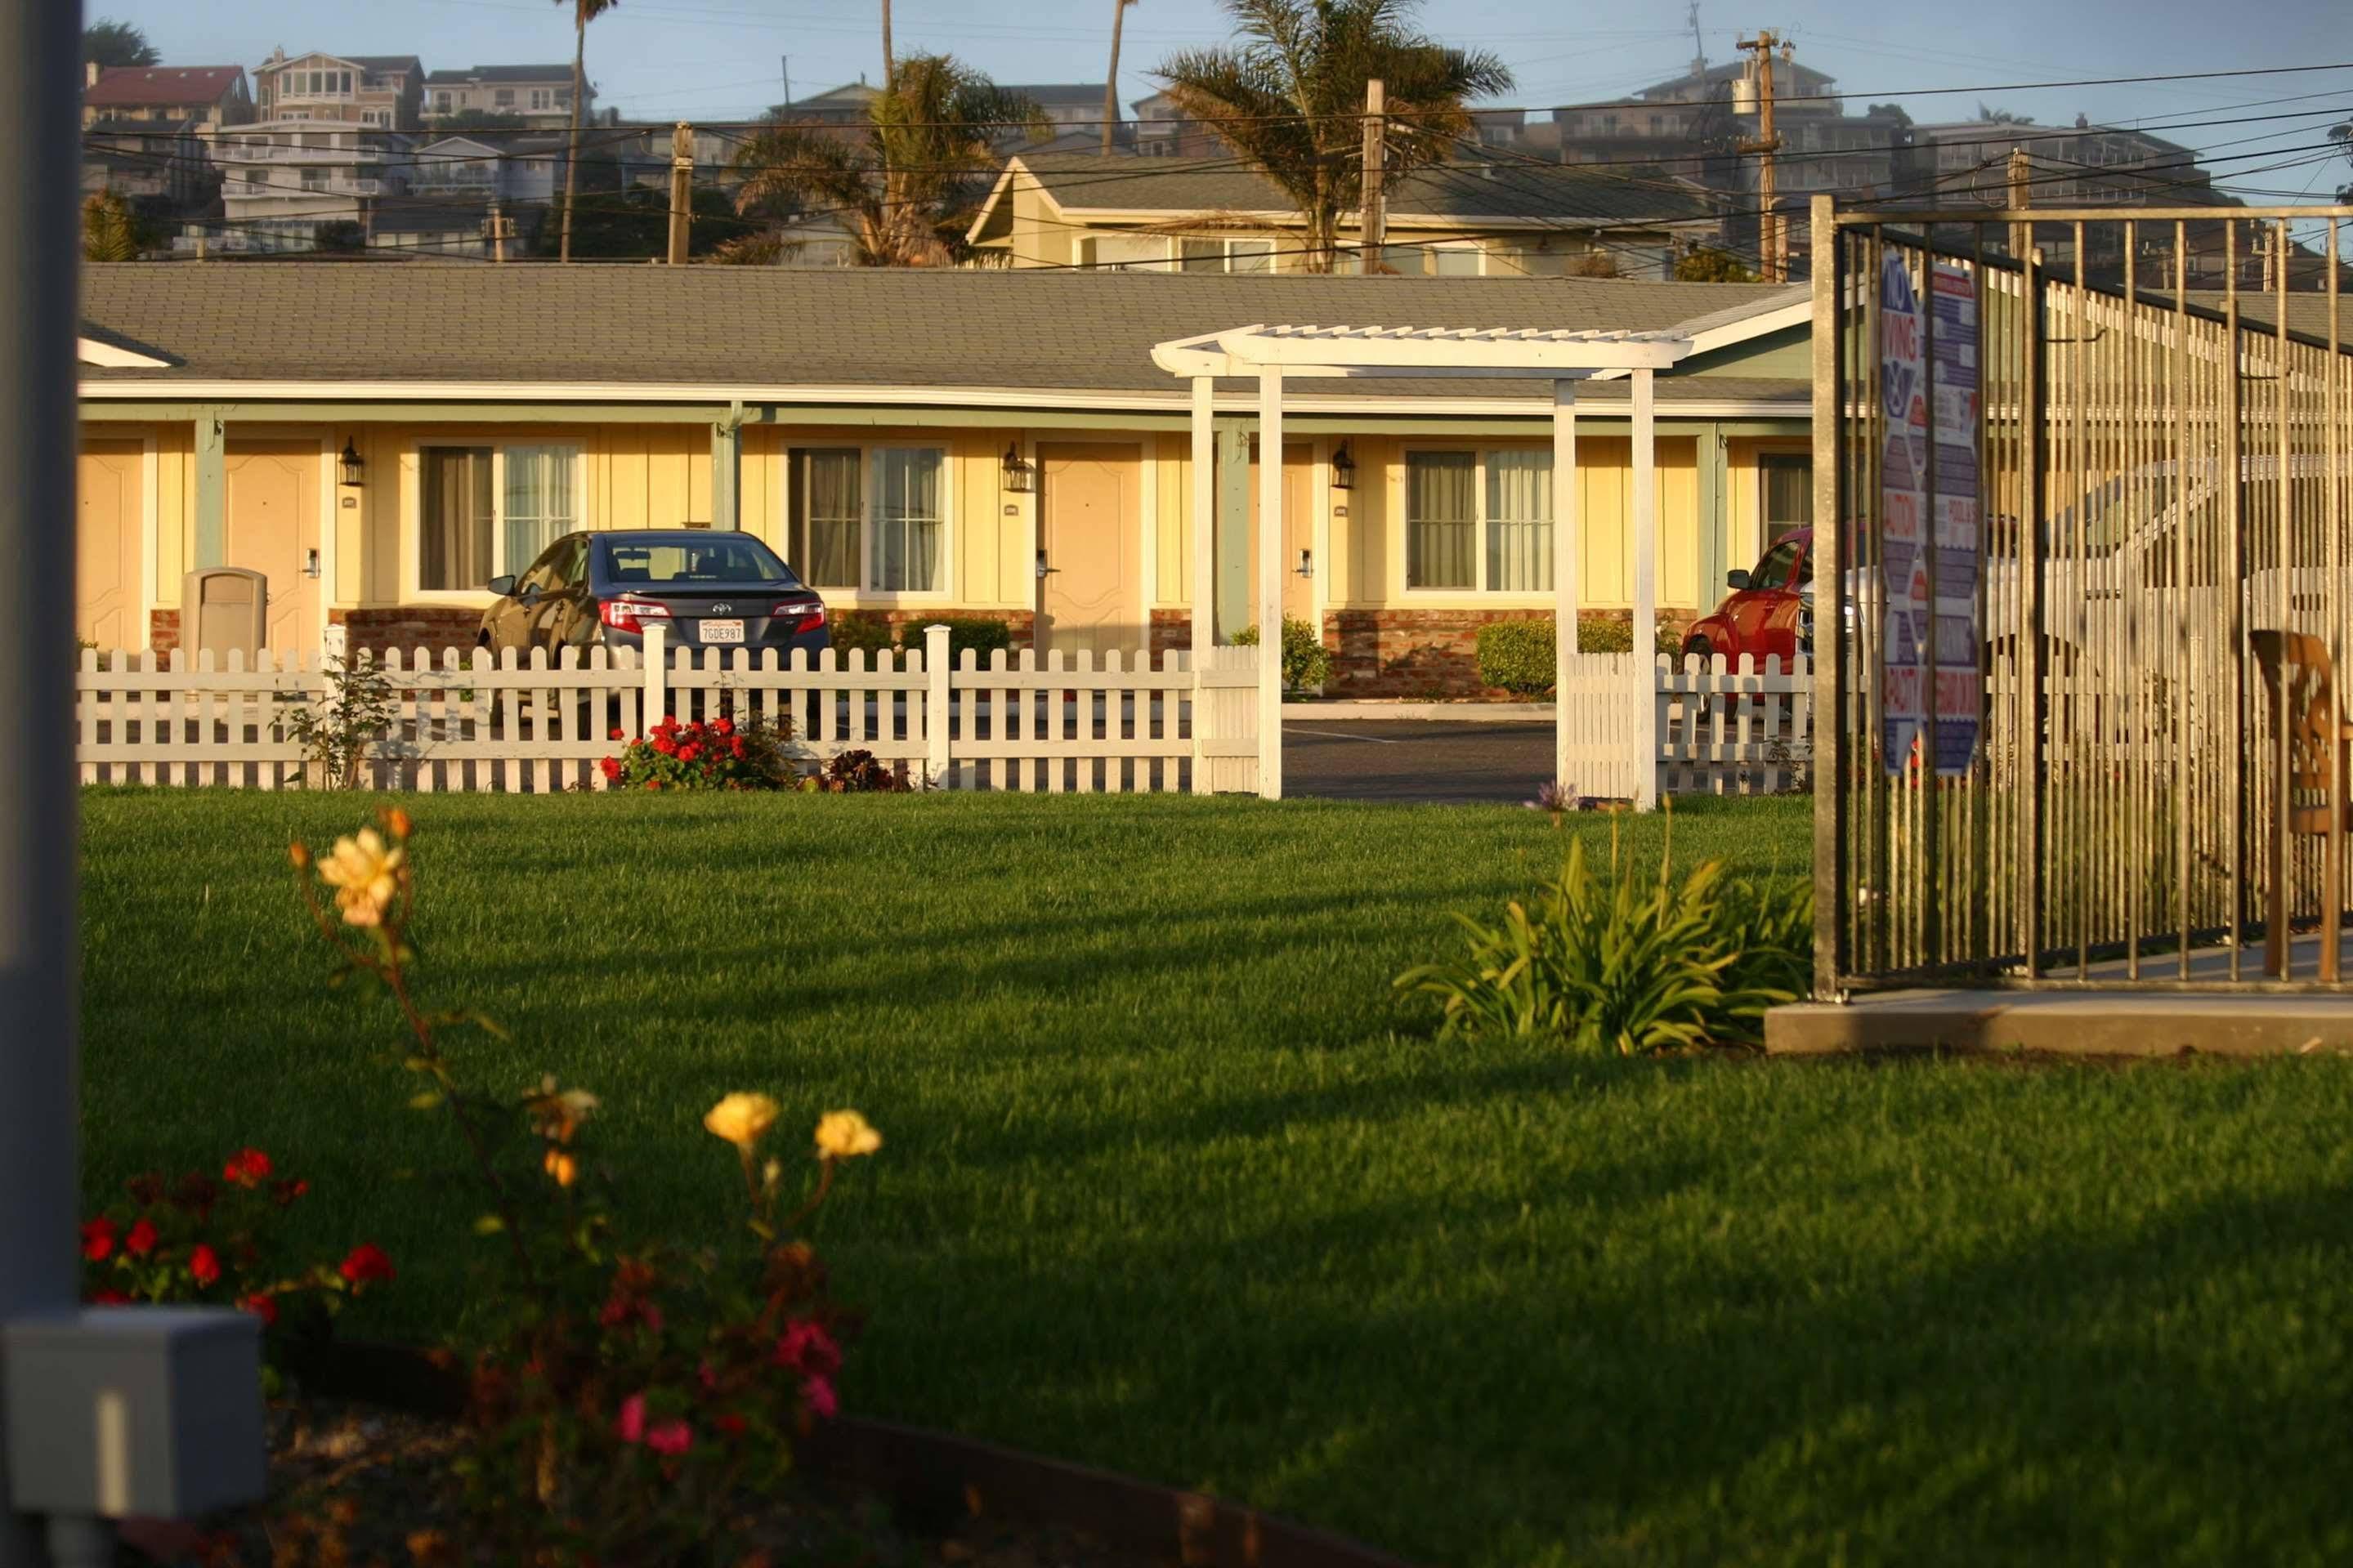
(1442, 493)
(907, 518)
(541, 505)
(1519, 522)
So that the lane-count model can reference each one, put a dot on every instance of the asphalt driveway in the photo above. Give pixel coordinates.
(1412, 760)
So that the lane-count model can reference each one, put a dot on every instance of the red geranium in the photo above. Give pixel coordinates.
(140, 1239)
(247, 1168)
(262, 1305)
(203, 1265)
(367, 1264)
(98, 1238)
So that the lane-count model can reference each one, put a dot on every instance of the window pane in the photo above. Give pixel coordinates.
(1440, 519)
(1519, 521)
(1788, 478)
(455, 548)
(1407, 260)
(1252, 256)
(907, 518)
(1455, 261)
(829, 500)
(1202, 254)
(538, 506)
(1132, 251)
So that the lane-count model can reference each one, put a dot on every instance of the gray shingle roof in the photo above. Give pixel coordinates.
(1509, 189)
(1047, 330)
(498, 73)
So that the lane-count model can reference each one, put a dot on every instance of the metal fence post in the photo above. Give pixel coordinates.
(1833, 748)
(657, 658)
(937, 717)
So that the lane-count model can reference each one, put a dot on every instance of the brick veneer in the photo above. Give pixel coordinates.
(411, 628)
(1172, 631)
(163, 630)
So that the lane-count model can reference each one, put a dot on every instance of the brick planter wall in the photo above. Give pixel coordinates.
(1172, 631)
(411, 628)
(163, 630)
(1431, 653)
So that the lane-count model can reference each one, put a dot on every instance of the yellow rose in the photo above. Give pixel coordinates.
(563, 1167)
(741, 1119)
(845, 1135)
(365, 873)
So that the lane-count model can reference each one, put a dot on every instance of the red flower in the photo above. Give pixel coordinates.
(730, 1424)
(108, 1298)
(203, 1265)
(98, 1238)
(809, 1350)
(736, 746)
(284, 1192)
(653, 784)
(246, 1168)
(630, 1426)
(670, 1439)
(367, 1264)
(615, 734)
(262, 1305)
(688, 751)
(817, 1395)
(722, 726)
(611, 767)
(140, 1239)
(665, 745)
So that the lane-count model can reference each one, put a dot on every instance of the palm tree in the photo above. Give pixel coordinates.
(907, 189)
(583, 13)
(108, 230)
(1289, 98)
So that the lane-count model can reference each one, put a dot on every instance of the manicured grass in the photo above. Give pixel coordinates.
(1173, 1185)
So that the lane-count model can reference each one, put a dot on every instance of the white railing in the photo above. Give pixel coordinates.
(467, 721)
(1719, 729)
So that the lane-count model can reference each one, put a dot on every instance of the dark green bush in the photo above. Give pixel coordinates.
(984, 634)
(1517, 655)
(867, 629)
(1306, 662)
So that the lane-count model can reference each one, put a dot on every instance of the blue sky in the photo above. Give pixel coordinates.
(720, 58)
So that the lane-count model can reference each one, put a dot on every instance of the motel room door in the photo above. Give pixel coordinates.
(1298, 529)
(110, 542)
(1089, 518)
(273, 528)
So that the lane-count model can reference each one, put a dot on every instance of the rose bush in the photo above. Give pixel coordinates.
(632, 1397)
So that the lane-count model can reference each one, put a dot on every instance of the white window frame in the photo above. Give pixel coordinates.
(868, 532)
(1472, 245)
(412, 566)
(1403, 539)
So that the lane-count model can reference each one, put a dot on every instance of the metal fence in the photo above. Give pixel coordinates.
(2092, 547)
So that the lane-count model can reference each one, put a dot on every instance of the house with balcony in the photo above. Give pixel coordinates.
(164, 166)
(538, 97)
(1160, 129)
(387, 90)
(283, 180)
(1482, 218)
(201, 99)
(514, 168)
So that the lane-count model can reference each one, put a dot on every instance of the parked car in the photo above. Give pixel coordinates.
(1766, 614)
(705, 588)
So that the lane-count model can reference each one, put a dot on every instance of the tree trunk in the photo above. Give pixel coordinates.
(580, 92)
(1111, 82)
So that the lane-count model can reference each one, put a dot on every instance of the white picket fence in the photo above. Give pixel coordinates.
(1721, 728)
(467, 722)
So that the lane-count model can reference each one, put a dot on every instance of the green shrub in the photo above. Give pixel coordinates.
(1517, 655)
(1617, 964)
(867, 629)
(984, 634)
(1306, 662)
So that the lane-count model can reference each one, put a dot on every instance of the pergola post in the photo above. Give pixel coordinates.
(1269, 582)
(1202, 498)
(1646, 590)
(1565, 547)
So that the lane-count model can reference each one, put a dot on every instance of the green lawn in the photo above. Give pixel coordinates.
(1172, 1185)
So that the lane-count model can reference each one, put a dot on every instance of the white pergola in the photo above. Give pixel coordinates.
(1275, 355)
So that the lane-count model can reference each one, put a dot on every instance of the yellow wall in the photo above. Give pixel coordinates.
(640, 475)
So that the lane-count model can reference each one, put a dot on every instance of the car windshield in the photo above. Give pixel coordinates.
(692, 560)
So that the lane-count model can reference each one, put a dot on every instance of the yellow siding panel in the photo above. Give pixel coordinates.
(175, 509)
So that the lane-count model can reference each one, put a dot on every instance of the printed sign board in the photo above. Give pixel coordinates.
(1928, 379)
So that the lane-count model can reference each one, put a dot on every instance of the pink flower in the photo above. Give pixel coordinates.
(809, 1350)
(629, 1427)
(670, 1439)
(817, 1395)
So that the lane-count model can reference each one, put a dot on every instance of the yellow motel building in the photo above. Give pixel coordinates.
(380, 441)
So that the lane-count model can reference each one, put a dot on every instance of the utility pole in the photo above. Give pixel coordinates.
(2021, 197)
(1111, 82)
(1773, 260)
(787, 62)
(889, 62)
(1376, 216)
(682, 189)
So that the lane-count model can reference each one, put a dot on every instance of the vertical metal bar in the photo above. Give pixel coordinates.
(1833, 748)
(40, 943)
(1930, 784)
(2283, 895)
(2077, 842)
(2129, 576)
(2233, 586)
(2332, 881)
(2183, 716)
(1977, 936)
(1871, 625)
(2033, 701)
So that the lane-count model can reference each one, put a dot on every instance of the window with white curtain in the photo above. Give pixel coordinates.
(1131, 252)
(871, 518)
(484, 511)
(1479, 522)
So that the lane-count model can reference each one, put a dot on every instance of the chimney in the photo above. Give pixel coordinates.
(89, 70)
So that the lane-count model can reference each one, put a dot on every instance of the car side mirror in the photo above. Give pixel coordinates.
(1735, 579)
(501, 585)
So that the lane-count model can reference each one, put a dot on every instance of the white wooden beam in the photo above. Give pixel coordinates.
(1269, 582)
(1565, 547)
(1203, 498)
(1646, 588)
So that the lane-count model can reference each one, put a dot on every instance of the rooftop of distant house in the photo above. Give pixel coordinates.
(138, 87)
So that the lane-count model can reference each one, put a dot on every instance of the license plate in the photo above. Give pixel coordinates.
(723, 631)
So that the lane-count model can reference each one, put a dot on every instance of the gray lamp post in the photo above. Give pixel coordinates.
(102, 1409)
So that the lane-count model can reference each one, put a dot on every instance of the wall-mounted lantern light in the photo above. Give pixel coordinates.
(1344, 469)
(1020, 477)
(354, 467)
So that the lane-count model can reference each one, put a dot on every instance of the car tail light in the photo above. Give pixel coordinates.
(805, 616)
(629, 613)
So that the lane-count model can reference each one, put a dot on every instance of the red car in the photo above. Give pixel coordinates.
(1766, 613)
